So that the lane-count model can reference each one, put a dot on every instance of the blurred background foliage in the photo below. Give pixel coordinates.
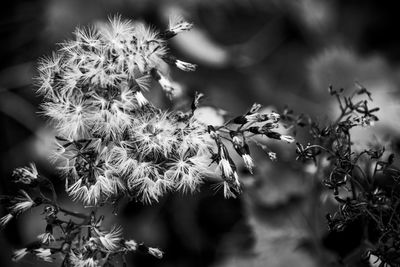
(274, 52)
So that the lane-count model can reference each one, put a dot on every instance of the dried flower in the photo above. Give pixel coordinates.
(111, 240)
(44, 254)
(46, 238)
(26, 175)
(131, 245)
(19, 254)
(113, 142)
(156, 252)
(22, 203)
(287, 138)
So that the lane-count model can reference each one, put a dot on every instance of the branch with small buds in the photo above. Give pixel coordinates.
(239, 131)
(78, 244)
(346, 172)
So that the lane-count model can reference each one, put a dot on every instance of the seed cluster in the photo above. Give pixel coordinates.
(113, 143)
(111, 140)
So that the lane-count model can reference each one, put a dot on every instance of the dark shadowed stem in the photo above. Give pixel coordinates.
(394, 211)
(72, 213)
(51, 186)
(353, 186)
(320, 147)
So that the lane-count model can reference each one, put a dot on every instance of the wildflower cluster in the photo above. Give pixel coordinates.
(112, 140)
(365, 184)
(113, 143)
(79, 240)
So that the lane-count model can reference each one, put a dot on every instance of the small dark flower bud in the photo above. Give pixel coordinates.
(273, 135)
(240, 120)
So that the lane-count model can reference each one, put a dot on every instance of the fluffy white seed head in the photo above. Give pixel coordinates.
(111, 240)
(22, 203)
(112, 140)
(26, 175)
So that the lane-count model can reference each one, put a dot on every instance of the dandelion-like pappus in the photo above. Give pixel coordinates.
(112, 142)
(80, 241)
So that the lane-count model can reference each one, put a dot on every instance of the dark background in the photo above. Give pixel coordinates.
(275, 52)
